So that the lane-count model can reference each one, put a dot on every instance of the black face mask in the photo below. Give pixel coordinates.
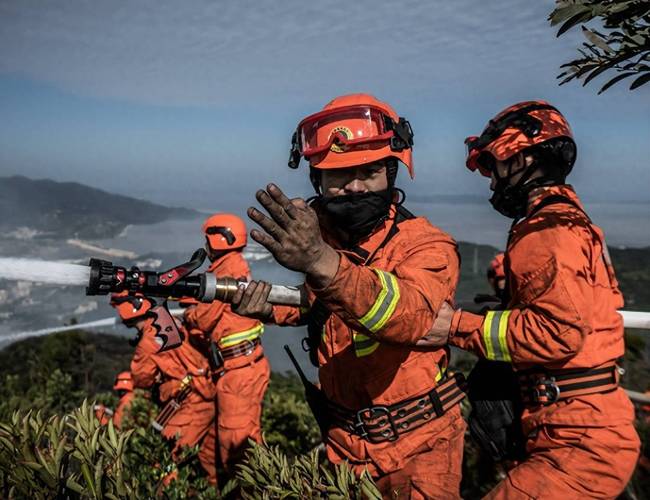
(508, 200)
(359, 213)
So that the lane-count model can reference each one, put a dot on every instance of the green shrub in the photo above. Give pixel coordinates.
(72, 456)
(267, 473)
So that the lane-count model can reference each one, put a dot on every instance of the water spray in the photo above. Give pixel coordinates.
(101, 277)
(55, 273)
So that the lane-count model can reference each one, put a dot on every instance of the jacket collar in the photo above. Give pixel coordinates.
(222, 261)
(540, 194)
(365, 249)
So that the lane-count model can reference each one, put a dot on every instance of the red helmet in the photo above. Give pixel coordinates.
(352, 130)
(515, 129)
(225, 232)
(131, 306)
(123, 382)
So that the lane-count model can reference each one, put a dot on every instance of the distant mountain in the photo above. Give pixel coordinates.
(68, 209)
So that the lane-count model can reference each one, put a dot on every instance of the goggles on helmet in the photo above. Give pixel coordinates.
(347, 128)
(519, 119)
(223, 231)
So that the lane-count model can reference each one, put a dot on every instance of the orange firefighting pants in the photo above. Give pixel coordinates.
(191, 425)
(433, 471)
(239, 410)
(573, 462)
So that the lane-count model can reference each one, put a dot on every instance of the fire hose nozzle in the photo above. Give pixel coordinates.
(104, 277)
(178, 282)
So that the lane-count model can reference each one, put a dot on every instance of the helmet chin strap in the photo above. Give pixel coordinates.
(511, 200)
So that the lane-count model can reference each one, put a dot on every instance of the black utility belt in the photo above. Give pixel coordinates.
(377, 424)
(545, 387)
(218, 356)
(245, 348)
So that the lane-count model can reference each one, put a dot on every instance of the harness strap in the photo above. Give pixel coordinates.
(319, 314)
(544, 387)
(377, 424)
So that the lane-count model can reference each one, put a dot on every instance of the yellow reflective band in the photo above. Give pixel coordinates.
(487, 340)
(236, 338)
(364, 345)
(503, 343)
(495, 328)
(441, 373)
(385, 304)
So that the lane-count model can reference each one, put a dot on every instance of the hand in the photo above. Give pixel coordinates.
(292, 234)
(253, 301)
(439, 333)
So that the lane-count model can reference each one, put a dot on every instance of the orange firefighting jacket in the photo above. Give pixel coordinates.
(384, 298)
(169, 368)
(122, 406)
(562, 311)
(217, 319)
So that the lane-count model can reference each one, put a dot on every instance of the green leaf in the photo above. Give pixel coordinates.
(563, 13)
(88, 477)
(615, 80)
(111, 434)
(643, 79)
(604, 67)
(574, 21)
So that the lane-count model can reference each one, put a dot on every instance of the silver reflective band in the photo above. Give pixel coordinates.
(210, 289)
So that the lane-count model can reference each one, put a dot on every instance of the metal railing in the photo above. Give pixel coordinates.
(631, 319)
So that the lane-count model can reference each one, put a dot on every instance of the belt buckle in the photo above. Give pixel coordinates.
(389, 434)
(549, 394)
(248, 350)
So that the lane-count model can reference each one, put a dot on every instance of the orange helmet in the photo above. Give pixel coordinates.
(352, 130)
(225, 232)
(496, 269)
(123, 382)
(517, 128)
(131, 306)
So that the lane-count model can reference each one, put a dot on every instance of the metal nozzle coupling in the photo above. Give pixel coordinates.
(227, 288)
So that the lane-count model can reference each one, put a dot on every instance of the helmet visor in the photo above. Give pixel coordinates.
(477, 158)
(343, 129)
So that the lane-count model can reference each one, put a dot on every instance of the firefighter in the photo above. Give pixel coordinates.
(183, 376)
(376, 276)
(233, 343)
(559, 329)
(496, 276)
(124, 388)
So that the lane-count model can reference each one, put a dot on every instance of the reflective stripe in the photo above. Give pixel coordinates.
(384, 307)
(441, 373)
(495, 328)
(364, 345)
(236, 338)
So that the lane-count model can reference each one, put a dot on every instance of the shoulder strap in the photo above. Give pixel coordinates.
(319, 314)
(401, 215)
(556, 199)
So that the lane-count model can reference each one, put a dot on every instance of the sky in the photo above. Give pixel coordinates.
(193, 103)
